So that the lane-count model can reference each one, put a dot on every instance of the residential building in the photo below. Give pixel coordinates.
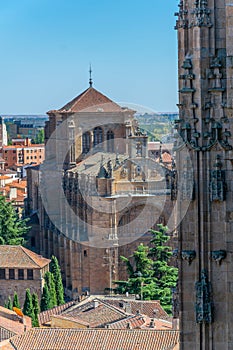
(22, 152)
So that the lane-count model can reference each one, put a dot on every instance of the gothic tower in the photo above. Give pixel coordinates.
(204, 168)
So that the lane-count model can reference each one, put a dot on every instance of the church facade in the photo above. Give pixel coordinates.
(204, 167)
(97, 194)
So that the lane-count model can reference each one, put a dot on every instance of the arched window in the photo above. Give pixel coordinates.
(86, 141)
(98, 136)
(110, 141)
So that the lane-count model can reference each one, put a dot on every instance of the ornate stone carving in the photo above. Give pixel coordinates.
(188, 255)
(182, 21)
(217, 182)
(187, 77)
(124, 172)
(201, 14)
(218, 255)
(204, 303)
(215, 74)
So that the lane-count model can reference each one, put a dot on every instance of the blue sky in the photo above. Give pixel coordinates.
(47, 45)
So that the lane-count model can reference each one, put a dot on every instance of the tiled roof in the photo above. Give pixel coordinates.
(151, 308)
(141, 322)
(33, 145)
(12, 323)
(95, 339)
(91, 100)
(131, 322)
(19, 257)
(94, 316)
(45, 316)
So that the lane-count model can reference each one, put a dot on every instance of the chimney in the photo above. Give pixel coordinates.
(95, 303)
(127, 307)
(129, 326)
(152, 323)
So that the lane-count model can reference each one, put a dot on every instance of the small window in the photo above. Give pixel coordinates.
(2, 274)
(85, 253)
(11, 274)
(21, 274)
(30, 274)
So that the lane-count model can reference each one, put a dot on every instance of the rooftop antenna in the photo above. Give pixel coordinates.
(90, 80)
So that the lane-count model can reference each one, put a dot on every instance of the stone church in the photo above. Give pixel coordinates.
(97, 194)
(204, 167)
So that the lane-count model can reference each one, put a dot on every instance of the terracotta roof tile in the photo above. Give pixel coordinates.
(91, 100)
(95, 316)
(12, 323)
(95, 339)
(45, 316)
(20, 257)
(151, 308)
(141, 322)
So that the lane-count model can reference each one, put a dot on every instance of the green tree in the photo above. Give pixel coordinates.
(16, 301)
(9, 304)
(140, 271)
(28, 307)
(56, 271)
(12, 229)
(36, 309)
(45, 299)
(39, 137)
(150, 275)
(165, 276)
(49, 280)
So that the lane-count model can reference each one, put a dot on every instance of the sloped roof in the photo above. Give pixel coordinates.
(95, 339)
(94, 316)
(45, 316)
(141, 322)
(90, 100)
(12, 323)
(12, 256)
(150, 308)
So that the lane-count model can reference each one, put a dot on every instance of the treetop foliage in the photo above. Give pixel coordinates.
(13, 229)
(150, 275)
